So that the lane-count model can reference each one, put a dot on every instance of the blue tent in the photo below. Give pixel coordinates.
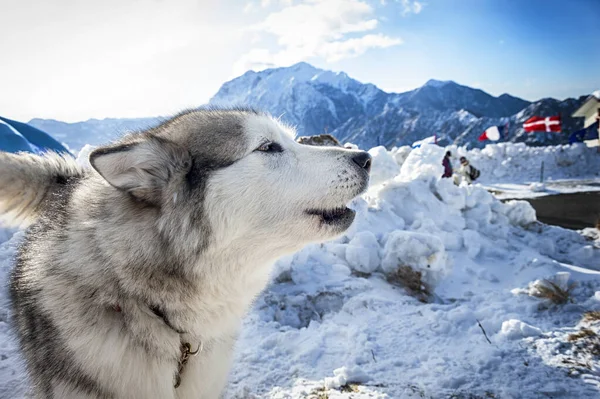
(17, 136)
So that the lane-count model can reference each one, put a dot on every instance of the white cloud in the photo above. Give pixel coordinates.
(262, 58)
(112, 58)
(268, 3)
(338, 50)
(316, 28)
(411, 7)
(249, 7)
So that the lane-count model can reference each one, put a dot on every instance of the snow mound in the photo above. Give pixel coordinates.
(519, 213)
(536, 288)
(345, 375)
(516, 329)
(537, 187)
(424, 161)
(424, 253)
(362, 252)
(332, 309)
(384, 165)
(83, 158)
(400, 154)
(519, 163)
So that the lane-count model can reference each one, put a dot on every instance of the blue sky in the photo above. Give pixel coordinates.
(528, 48)
(73, 60)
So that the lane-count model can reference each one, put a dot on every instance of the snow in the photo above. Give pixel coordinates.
(519, 213)
(340, 321)
(424, 253)
(437, 83)
(427, 140)
(518, 163)
(385, 166)
(344, 375)
(516, 329)
(537, 187)
(362, 252)
(424, 162)
(515, 170)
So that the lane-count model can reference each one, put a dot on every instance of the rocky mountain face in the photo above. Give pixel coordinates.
(92, 131)
(317, 101)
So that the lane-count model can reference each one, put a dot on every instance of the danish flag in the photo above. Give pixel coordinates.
(542, 124)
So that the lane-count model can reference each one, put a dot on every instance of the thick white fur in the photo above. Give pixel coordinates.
(257, 213)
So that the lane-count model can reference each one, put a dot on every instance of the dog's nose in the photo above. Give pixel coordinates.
(363, 160)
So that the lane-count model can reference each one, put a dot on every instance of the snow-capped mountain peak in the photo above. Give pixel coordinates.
(315, 101)
(438, 83)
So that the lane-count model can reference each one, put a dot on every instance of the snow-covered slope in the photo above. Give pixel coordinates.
(519, 163)
(430, 294)
(448, 95)
(92, 131)
(311, 99)
(315, 101)
(338, 321)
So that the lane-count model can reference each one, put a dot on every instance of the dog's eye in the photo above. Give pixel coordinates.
(270, 147)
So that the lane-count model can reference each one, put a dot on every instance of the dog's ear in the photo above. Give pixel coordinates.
(143, 169)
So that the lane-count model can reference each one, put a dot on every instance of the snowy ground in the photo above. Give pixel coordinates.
(433, 293)
(518, 163)
(533, 190)
(515, 170)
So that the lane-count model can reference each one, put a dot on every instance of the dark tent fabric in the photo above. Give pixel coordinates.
(23, 137)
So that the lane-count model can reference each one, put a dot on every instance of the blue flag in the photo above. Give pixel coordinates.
(588, 133)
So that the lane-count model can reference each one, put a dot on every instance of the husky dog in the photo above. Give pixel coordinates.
(134, 275)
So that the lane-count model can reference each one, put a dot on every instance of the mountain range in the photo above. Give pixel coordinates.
(317, 101)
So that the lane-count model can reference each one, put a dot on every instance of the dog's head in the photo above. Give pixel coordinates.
(235, 177)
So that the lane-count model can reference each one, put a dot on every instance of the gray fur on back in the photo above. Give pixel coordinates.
(167, 240)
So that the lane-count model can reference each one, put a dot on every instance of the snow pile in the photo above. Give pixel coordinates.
(83, 158)
(400, 154)
(6, 234)
(520, 213)
(341, 305)
(424, 253)
(345, 375)
(11, 373)
(516, 329)
(537, 187)
(422, 162)
(519, 163)
(510, 162)
(426, 295)
(362, 252)
(384, 166)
